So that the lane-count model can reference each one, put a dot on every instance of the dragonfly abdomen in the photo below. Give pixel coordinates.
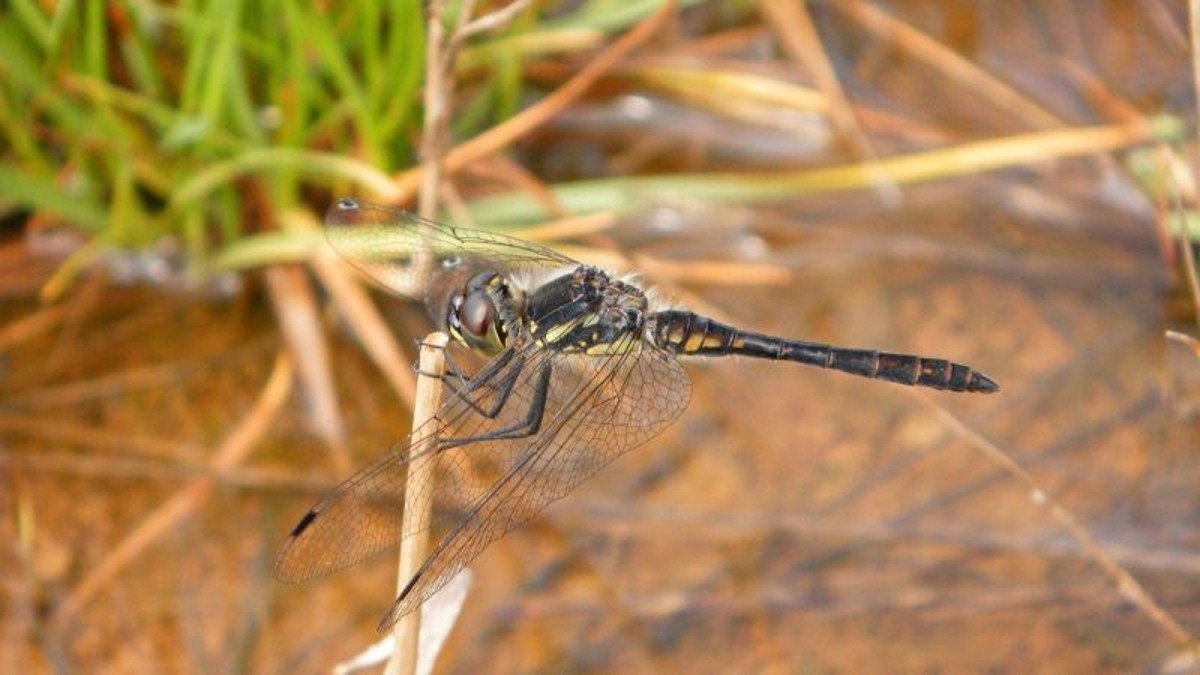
(687, 333)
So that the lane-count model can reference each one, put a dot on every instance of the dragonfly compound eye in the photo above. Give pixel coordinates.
(474, 319)
(477, 314)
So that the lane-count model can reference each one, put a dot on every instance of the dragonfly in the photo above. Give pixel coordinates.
(561, 369)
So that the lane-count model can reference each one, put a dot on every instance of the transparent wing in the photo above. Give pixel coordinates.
(596, 408)
(600, 408)
(393, 246)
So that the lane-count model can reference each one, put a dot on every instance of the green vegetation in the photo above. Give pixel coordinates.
(204, 120)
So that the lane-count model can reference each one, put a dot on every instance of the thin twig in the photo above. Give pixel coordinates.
(793, 24)
(569, 226)
(1189, 260)
(492, 21)
(434, 111)
(295, 304)
(418, 499)
(449, 54)
(1127, 586)
(1194, 37)
(132, 379)
(512, 173)
(970, 76)
(497, 137)
(1185, 340)
(1186, 238)
(140, 468)
(28, 327)
(357, 309)
(418, 495)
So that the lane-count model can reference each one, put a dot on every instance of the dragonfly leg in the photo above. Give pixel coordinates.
(486, 379)
(520, 429)
(454, 375)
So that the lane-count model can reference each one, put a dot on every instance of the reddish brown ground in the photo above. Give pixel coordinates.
(791, 521)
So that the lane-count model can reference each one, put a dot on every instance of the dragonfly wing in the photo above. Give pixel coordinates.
(599, 408)
(364, 515)
(393, 247)
(360, 518)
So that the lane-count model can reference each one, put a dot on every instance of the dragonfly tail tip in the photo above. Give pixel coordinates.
(983, 384)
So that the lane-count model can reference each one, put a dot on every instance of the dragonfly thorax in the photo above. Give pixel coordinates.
(586, 311)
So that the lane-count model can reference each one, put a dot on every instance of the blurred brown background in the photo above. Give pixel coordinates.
(793, 520)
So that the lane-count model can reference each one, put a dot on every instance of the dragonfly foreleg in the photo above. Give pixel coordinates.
(454, 375)
(499, 386)
(522, 428)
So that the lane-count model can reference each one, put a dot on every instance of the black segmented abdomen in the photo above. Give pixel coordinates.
(688, 333)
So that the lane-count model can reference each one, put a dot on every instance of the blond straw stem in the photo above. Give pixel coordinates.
(418, 498)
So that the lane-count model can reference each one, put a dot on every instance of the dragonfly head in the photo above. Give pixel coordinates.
(476, 313)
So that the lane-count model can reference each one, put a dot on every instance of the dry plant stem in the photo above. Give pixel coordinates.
(121, 382)
(365, 320)
(232, 452)
(436, 95)
(140, 468)
(714, 272)
(1185, 340)
(1179, 200)
(793, 24)
(615, 520)
(417, 506)
(95, 440)
(497, 137)
(29, 327)
(716, 45)
(296, 309)
(417, 501)
(1189, 264)
(569, 227)
(81, 304)
(356, 308)
(1127, 586)
(453, 203)
(1194, 25)
(968, 75)
(504, 170)
(491, 21)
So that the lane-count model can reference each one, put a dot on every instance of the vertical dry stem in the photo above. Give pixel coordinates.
(417, 499)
